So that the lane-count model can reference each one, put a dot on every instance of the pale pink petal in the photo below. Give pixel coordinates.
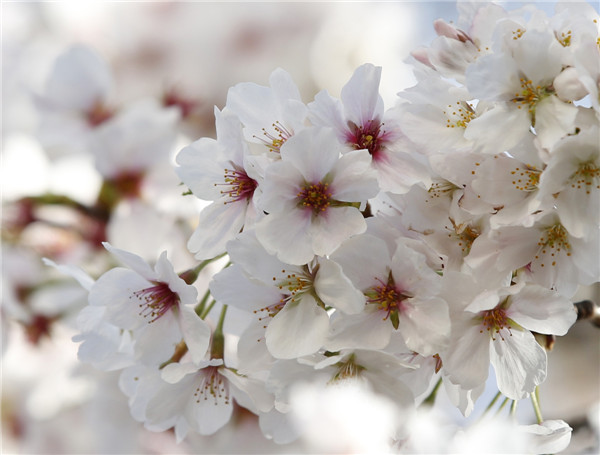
(330, 228)
(195, 331)
(360, 95)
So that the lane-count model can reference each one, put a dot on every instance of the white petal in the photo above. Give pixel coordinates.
(287, 236)
(133, 261)
(425, 325)
(336, 290)
(542, 310)
(313, 151)
(195, 331)
(218, 223)
(330, 228)
(366, 330)
(519, 362)
(360, 95)
(298, 329)
(467, 359)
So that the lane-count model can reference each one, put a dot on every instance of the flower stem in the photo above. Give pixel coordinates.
(492, 403)
(502, 405)
(218, 339)
(207, 310)
(200, 307)
(536, 406)
(180, 351)
(513, 408)
(191, 275)
(430, 400)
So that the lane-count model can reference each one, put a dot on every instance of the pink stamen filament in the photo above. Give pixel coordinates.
(155, 301)
(238, 186)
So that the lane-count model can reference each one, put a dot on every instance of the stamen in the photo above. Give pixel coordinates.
(155, 301)
(554, 239)
(586, 176)
(494, 321)
(347, 370)
(526, 179)
(274, 143)
(389, 298)
(369, 136)
(465, 234)
(213, 384)
(440, 188)
(238, 186)
(459, 116)
(315, 196)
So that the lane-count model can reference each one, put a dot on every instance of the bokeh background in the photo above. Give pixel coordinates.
(51, 403)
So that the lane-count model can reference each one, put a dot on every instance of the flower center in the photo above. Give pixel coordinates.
(465, 234)
(212, 384)
(369, 136)
(155, 301)
(315, 196)
(238, 186)
(441, 188)
(554, 239)
(530, 95)
(459, 116)
(388, 298)
(526, 179)
(294, 285)
(494, 321)
(564, 38)
(347, 370)
(586, 176)
(274, 142)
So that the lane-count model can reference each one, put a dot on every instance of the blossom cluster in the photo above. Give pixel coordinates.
(396, 248)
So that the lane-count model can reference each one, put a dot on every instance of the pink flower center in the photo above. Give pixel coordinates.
(155, 301)
(368, 136)
(315, 196)
(494, 321)
(237, 185)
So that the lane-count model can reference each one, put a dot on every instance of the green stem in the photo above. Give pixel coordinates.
(513, 408)
(536, 406)
(218, 339)
(430, 400)
(502, 405)
(205, 313)
(191, 275)
(200, 307)
(492, 403)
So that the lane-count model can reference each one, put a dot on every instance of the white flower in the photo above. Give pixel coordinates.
(398, 286)
(495, 327)
(288, 300)
(270, 115)
(312, 196)
(137, 138)
(188, 396)
(220, 171)
(74, 100)
(155, 304)
(573, 178)
(359, 120)
(519, 80)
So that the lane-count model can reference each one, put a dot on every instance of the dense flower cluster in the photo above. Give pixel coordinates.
(385, 248)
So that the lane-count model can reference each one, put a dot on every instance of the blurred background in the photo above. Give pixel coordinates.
(184, 55)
